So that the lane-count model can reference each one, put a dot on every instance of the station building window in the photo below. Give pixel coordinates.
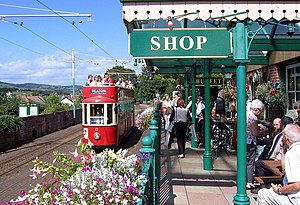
(293, 83)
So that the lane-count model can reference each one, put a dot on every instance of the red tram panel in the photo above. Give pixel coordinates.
(107, 115)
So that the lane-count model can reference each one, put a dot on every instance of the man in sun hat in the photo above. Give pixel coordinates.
(292, 114)
(289, 193)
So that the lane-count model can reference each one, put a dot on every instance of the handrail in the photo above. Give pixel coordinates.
(151, 161)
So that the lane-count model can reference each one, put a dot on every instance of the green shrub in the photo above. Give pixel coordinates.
(10, 124)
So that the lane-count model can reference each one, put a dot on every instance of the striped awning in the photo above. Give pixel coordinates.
(205, 10)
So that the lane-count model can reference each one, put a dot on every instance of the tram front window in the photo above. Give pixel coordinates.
(97, 114)
(97, 110)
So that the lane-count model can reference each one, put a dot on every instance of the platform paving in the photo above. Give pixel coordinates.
(183, 181)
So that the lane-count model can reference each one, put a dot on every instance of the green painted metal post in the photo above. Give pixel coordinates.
(156, 166)
(207, 156)
(194, 143)
(147, 150)
(240, 56)
(158, 139)
(186, 88)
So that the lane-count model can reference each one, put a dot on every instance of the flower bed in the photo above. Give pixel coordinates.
(143, 119)
(87, 178)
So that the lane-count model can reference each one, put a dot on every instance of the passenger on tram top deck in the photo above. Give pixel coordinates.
(95, 81)
(90, 80)
(120, 82)
(107, 80)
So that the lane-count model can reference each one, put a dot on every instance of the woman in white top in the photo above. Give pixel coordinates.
(180, 117)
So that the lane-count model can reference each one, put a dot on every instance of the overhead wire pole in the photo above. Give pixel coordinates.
(73, 84)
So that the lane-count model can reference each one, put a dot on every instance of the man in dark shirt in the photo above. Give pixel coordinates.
(220, 103)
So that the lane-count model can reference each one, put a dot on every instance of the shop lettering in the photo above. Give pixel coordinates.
(173, 43)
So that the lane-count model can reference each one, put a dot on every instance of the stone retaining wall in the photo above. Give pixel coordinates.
(39, 125)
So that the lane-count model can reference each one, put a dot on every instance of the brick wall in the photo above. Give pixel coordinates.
(37, 126)
(273, 75)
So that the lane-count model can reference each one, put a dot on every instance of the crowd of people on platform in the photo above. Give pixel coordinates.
(97, 80)
(283, 146)
(283, 142)
(287, 192)
(177, 118)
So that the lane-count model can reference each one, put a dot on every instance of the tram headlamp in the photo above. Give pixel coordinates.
(96, 136)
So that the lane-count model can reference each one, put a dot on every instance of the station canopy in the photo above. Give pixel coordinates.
(275, 25)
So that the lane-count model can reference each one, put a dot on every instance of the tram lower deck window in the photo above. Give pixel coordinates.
(109, 113)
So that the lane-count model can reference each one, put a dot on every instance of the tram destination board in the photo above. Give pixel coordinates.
(98, 91)
(180, 43)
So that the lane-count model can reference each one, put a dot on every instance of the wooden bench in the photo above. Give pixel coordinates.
(275, 168)
(268, 180)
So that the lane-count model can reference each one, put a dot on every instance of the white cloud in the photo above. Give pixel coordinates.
(56, 61)
(55, 69)
(17, 66)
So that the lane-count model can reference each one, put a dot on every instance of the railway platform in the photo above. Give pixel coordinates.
(183, 181)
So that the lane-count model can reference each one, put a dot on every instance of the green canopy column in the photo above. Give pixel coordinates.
(207, 156)
(186, 88)
(240, 55)
(193, 83)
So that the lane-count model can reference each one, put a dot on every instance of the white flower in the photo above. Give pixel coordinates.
(46, 195)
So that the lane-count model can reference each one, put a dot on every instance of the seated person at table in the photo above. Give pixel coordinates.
(275, 150)
(289, 193)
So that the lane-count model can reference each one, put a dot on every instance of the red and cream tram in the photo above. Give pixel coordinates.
(107, 115)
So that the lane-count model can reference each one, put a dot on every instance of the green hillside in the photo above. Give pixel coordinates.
(33, 87)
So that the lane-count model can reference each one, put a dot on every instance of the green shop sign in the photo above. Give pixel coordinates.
(180, 43)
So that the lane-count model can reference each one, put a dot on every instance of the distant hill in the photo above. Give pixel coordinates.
(40, 87)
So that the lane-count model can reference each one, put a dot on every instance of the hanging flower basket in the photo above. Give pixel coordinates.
(272, 94)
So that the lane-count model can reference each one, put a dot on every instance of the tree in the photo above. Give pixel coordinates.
(79, 101)
(10, 124)
(54, 105)
(150, 83)
(120, 71)
(9, 105)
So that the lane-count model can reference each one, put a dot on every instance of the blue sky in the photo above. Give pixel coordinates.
(39, 51)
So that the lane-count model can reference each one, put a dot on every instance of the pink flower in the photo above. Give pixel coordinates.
(33, 175)
(75, 153)
(35, 171)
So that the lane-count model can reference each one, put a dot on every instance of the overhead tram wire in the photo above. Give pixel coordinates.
(21, 46)
(21, 24)
(85, 54)
(76, 28)
(36, 9)
(40, 37)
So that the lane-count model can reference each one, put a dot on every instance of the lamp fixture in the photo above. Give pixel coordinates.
(290, 29)
(170, 23)
(290, 25)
